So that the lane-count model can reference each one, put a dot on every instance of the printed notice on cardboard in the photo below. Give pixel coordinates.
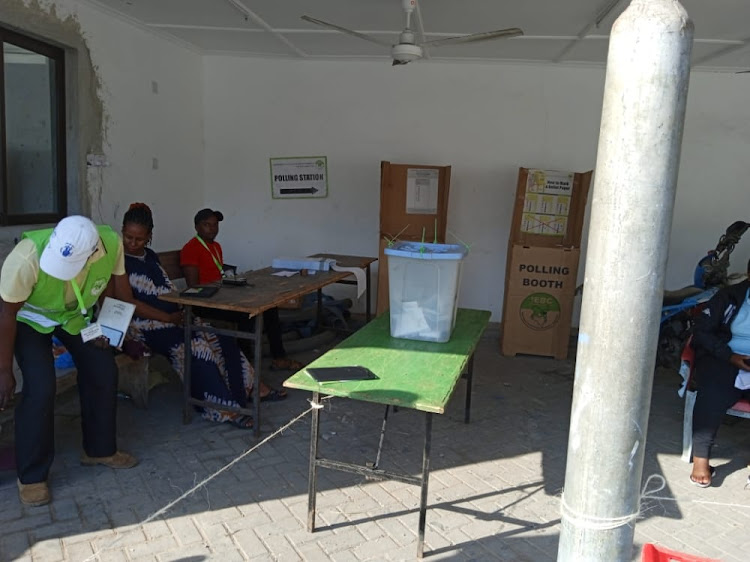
(421, 191)
(547, 202)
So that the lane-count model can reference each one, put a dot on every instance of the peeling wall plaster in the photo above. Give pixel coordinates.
(151, 138)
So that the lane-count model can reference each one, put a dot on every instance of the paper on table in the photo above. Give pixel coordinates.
(114, 319)
(285, 273)
(358, 272)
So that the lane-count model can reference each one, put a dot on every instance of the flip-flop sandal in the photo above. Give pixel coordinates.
(274, 396)
(712, 472)
(242, 422)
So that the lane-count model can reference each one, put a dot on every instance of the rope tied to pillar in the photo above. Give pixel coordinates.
(585, 521)
(591, 522)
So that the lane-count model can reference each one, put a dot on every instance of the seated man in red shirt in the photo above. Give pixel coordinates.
(202, 262)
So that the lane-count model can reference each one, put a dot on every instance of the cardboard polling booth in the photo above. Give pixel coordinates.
(413, 207)
(542, 262)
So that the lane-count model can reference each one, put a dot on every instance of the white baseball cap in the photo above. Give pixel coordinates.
(71, 244)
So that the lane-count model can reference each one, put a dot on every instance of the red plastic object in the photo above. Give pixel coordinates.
(654, 553)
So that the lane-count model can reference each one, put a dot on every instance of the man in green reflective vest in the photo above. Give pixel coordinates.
(49, 285)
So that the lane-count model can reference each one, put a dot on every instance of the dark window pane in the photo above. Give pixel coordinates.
(30, 132)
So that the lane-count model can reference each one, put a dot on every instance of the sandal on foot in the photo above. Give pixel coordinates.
(274, 396)
(242, 422)
(712, 473)
(286, 364)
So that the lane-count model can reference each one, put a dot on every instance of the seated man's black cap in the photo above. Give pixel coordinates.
(204, 214)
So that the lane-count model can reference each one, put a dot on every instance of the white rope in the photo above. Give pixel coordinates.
(202, 483)
(585, 521)
(649, 495)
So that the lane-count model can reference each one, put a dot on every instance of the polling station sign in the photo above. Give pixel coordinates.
(299, 177)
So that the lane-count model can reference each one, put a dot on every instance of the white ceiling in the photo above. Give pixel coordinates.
(556, 31)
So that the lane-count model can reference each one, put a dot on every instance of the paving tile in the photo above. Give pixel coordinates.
(14, 545)
(249, 543)
(64, 509)
(376, 549)
(50, 550)
(281, 549)
(12, 508)
(105, 536)
(194, 553)
(184, 530)
(343, 540)
(301, 538)
(493, 495)
(215, 516)
(280, 527)
(312, 552)
(27, 523)
(60, 529)
(343, 556)
(123, 538)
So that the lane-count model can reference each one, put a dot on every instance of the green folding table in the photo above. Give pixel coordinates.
(410, 374)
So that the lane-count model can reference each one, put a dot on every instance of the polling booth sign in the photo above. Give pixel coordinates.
(542, 263)
(539, 297)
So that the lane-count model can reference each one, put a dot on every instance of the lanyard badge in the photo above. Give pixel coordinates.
(91, 331)
(79, 297)
(213, 256)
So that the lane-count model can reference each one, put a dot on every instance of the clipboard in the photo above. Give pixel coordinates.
(341, 374)
(199, 292)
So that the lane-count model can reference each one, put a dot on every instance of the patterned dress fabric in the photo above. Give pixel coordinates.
(220, 371)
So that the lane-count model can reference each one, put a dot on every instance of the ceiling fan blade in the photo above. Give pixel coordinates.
(486, 36)
(351, 32)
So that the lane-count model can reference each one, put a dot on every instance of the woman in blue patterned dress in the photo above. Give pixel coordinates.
(220, 372)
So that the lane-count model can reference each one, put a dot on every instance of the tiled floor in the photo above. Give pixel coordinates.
(494, 489)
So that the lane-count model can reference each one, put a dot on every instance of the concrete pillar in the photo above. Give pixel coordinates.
(645, 94)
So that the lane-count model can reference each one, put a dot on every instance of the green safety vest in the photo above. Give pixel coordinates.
(46, 307)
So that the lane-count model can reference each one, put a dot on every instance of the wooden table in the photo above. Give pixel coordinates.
(362, 262)
(262, 292)
(411, 374)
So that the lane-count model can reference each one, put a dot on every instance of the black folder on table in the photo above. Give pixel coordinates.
(333, 374)
(199, 292)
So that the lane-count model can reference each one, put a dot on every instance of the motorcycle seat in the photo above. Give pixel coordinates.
(677, 296)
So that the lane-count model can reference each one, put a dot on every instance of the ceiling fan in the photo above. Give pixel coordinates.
(408, 49)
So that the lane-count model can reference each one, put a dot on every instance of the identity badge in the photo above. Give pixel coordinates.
(91, 332)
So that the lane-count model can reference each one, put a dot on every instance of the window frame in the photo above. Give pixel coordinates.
(57, 55)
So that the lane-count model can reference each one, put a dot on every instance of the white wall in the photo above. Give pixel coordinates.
(142, 126)
(484, 120)
(216, 121)
(714, 183)
(138, 124)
